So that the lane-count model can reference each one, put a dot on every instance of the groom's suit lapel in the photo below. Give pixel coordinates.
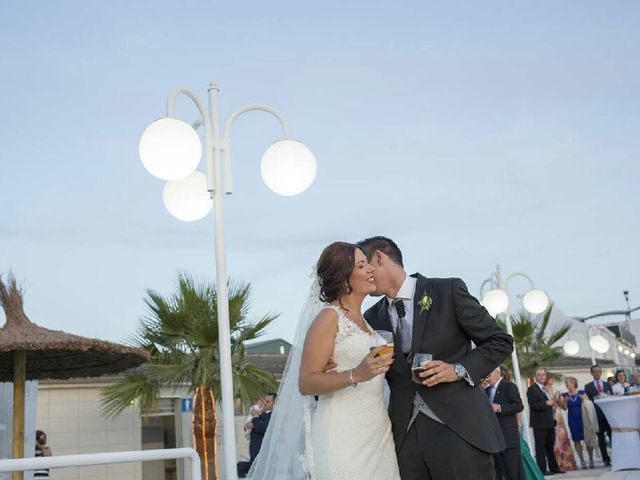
(419, 318)
(383, 315)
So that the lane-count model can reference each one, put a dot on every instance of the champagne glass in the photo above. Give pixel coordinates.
(382, 338)
(420, 360)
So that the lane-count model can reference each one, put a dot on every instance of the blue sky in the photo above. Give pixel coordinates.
(472, 133)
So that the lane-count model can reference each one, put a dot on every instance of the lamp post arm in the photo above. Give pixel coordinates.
(518, 274)
(205, 120)
(606, 314)
(226, 145)
(483, 284)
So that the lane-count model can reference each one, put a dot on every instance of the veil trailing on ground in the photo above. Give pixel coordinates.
(286, 449)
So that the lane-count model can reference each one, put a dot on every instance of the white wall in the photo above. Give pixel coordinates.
(70, 415)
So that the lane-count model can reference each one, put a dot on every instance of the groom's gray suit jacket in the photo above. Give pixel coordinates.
(446, 330)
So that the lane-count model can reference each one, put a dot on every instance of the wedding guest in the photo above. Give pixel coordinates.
(594, 389)
(573, 403)
(635, 383)
(254, 411)
(562, 445)
(541, 420)
(258, 426)
(611, 381)
(506, 404)
(621, 384)
(42, 450)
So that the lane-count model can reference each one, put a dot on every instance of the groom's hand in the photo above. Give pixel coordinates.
(436, 372)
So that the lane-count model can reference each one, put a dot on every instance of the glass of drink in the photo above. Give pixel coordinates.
(382, 338)
(420, 360)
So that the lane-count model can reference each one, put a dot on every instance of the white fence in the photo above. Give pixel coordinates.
(25, 464)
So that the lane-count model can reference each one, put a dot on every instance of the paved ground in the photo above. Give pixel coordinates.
(601, 474)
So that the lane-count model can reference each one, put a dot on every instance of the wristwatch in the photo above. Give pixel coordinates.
(461, 372)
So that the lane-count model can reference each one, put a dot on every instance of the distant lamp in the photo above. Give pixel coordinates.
(627, 352)
(535, 301)
(496, 301)
(571, 347)
(620, 348)
(599, 344)
(188, 199)
(170, 149)
(288, 167)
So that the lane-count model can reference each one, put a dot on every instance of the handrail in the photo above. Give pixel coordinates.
(37, 463)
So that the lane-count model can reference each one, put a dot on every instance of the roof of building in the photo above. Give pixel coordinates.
(272, 363)
(272, 346)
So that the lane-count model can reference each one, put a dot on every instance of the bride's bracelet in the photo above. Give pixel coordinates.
(351, 382)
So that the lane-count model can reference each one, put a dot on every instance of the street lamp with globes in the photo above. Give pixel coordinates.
(496, 301)
(170, 149)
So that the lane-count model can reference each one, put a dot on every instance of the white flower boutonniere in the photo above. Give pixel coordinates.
(425, 303)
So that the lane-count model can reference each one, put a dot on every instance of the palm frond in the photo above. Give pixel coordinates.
(123, 394)
(180, 331)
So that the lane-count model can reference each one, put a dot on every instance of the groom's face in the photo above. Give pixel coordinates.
(379, 261)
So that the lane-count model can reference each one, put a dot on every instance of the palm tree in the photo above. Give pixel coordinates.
(180, 332)
(534, 344)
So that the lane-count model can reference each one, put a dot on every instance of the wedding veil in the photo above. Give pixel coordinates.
(286, 449)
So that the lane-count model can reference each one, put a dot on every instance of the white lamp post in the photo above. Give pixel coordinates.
(170, 149)
(496, 301)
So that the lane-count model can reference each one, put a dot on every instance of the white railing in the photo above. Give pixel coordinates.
(25, 464)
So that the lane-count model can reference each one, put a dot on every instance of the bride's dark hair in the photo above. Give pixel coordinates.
(334, 267)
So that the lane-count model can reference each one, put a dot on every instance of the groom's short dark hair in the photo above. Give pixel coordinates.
(385, 245)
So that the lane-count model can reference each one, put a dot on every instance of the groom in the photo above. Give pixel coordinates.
(444, 428)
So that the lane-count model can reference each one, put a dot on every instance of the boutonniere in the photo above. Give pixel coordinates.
(425, 303)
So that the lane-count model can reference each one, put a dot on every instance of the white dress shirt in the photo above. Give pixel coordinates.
(406, 292)
(495, 389)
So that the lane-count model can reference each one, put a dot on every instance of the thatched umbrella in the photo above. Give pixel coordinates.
(30, 352)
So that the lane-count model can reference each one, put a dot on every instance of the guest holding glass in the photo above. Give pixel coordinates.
(562, 446)
(541, 420)
(574, 401)
(621, 384)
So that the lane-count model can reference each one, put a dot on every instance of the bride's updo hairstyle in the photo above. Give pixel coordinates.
(334, 267)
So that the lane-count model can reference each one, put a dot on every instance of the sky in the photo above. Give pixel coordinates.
(472, 133)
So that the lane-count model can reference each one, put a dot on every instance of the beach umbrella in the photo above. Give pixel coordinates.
(31, 352)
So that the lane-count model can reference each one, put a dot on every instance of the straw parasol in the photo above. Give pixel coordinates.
(31, 352)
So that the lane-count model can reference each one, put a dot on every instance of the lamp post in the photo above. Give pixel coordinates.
(496, 301)
(597, 342)
(170, 149)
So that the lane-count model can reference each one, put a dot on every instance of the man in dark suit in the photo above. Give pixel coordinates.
(544, 425)
(443, 428)
(593, 389)
(258, 426)
(506, 403)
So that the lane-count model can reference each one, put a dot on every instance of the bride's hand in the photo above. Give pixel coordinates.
(372, 365)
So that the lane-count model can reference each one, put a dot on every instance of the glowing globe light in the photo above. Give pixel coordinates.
(288, 167)
(188, 199)
(620, 348)
(627, 352)
(495, 301)
(571, 347)
(535, 301)
(170, 149)
(599, 344)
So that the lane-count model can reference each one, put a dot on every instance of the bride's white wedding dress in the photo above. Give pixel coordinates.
(350, 428)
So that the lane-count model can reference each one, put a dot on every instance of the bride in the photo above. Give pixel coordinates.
(346, 433)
